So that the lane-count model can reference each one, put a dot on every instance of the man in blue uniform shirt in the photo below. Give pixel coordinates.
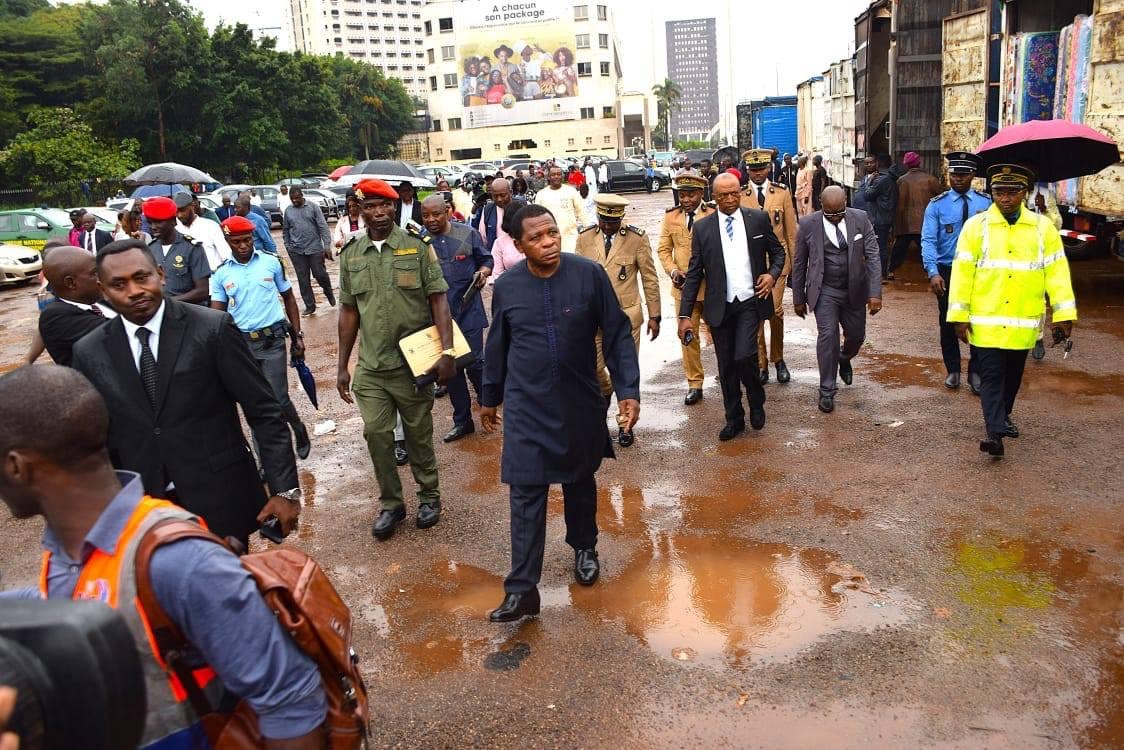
(263, 239)
(944, 218)
(247, 286)
(465, 263)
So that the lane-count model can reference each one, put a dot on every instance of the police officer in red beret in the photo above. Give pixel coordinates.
(184, 260)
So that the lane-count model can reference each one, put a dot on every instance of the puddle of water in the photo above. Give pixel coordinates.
(1070, 383)
(900, 371)
(308, 487)
(841, 514)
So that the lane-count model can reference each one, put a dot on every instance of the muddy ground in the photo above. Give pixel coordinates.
(861, 579)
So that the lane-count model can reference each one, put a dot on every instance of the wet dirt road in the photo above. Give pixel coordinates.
(859, 579)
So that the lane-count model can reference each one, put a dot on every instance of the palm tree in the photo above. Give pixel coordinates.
(667, 97)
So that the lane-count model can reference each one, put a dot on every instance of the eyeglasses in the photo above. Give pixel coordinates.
(834, 214)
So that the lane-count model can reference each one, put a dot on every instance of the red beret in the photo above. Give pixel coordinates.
(375, 189)
(735, 172)
(160, 208)
(237, 225)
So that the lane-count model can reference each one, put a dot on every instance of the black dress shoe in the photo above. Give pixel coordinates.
(974, 383)
(459, 431)
(1010, 429)
(731, 430)
(783, 375)
(309, 311)
(387, 522)
(586, 567)
(304, 445)
(827, 404)
(763, 375)
(757, 417)
(993, 446)
(1039, 350)
(625, 438)
(440, 391)
(694, 395)
(952, 382)
(429, 514)
(515, 606)
(846, 373)
(401, 455)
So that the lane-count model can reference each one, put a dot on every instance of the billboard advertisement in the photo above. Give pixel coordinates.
(516, 62)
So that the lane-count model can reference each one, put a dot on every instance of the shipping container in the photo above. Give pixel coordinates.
(768, 123)
(840, 122)
(812, 136)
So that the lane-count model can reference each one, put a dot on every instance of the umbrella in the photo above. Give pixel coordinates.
(167, 173)
(148, 191)
(339, 172)
(307, 381)
(1055, 149)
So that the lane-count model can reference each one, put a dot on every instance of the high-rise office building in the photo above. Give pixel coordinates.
(692, 63)
(384, 33)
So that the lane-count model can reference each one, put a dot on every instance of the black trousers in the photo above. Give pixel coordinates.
(458, 388)
(883, 235)
(528, 527)
(1001, 374)
(901, 247)
(735, 346)
(950, 345)
(303, 265)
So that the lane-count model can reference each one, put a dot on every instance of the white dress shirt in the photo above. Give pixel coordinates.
(154, 323)
(210, 235)
(735, 252)
(829, 230)
(407, 214)
(106, 311)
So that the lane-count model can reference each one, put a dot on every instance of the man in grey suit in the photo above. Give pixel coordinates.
(837, 272)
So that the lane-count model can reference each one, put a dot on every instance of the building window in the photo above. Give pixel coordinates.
(450, 80)
(454, 123)
(608, 139)
(440, 152)
(581, 12)
(497, 147)
(447, 52)
(585, 69)
(546, 144)
(587, 113)
(605, 69)
(433, 83)
(583, 41)
(569, 141)
(428, 28)
(589, 140)
(603, 41)
(429, 56)
(445, 24)
(602, 13)
(607, 112)
(436, 126)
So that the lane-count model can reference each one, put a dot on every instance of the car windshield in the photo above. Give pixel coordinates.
(55, 216)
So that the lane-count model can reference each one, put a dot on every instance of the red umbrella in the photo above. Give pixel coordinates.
(340, 172)
(1054, 149)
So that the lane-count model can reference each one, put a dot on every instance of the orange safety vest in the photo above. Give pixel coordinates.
(111, 578)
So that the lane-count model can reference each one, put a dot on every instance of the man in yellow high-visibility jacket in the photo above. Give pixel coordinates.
(1006, 259)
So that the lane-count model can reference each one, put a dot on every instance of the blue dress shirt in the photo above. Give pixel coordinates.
(263, 240)
(250, 290)
(944, 218)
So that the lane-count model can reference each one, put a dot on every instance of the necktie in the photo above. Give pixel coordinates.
(90, 242)
(147, 365)
(840, 239)
(608, 244)
(97, 311)
(761, 196)
(690, 220)
(964, 214)
(730, 227)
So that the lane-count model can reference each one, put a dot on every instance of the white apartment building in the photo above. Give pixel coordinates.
(384, 33)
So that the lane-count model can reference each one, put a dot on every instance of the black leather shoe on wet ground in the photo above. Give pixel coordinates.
(952, 382)
(763, 375)
(827, 404)
(428, 515)
(387, 522)
(694, 395)
(757, 417)
(459, 431)
(586, 567)
(1010, 429)
(974, 383)
(783, 375)
(993, 446)
(731, 431)
(846, 373)
(304, 445)
(625, 438)
(516, 606)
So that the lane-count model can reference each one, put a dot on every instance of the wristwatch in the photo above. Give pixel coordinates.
(293, 495)
(449, 353)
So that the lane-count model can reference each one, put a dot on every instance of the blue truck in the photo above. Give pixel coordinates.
(768, 123)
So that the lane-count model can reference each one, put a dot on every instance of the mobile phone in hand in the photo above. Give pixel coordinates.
(271, 530)
(688, 337)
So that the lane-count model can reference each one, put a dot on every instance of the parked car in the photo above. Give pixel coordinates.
(628, 175)
(436, 173)
(340, 192)
(487, 167)
(19, 264)
(143, 192)
(32, 227)
(303, 182)
(519, 166)
(325, 199)
(106, 217)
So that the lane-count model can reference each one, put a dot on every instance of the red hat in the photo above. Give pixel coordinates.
(160, 208)
(237, 225)
(735, 172)
(375, 189)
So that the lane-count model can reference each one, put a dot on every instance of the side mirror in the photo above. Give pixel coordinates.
(42, 225)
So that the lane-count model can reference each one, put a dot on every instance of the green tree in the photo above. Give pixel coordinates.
(377, 110)
(60, 149)
(21, 8)
(688, 144)
(667, 96)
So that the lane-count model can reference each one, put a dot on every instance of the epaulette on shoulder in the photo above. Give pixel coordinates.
(981, 193)
(635, 230)
(672, 208)
(780, 185)
(349, 243)
(190, 240)
(416, 231)
(938, 197)
(586, 228)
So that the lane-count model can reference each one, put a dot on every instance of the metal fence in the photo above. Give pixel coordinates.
(60, 194)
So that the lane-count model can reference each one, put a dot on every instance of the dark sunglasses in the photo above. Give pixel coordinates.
(834, 214)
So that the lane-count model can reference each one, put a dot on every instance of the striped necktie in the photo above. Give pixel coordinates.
(147, 365)
(730, 227)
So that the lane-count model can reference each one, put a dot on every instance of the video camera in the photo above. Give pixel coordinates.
(77, 676)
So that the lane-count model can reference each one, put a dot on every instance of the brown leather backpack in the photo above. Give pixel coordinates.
(308, 608)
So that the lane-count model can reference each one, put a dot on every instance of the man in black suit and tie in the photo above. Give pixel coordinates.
(91, 239)
(172, 375)
(408, 207)
(837, 272)
(77, 308)
(735, 251)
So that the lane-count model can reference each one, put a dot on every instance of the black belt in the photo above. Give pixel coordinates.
(275, 331)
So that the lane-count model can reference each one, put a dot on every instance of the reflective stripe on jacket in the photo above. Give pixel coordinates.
(1001, 274)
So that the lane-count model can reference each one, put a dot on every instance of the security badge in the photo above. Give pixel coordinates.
(177, 262)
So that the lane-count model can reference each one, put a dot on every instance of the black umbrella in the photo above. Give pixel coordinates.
(166, 174)
(307, 381)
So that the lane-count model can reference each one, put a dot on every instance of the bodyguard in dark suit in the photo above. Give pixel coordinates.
(77, 308)
(836, 272)
(172, 375)
(735, 251)
(91, 239)
(407, 197)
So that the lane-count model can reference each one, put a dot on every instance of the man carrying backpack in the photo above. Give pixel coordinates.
(96, 519)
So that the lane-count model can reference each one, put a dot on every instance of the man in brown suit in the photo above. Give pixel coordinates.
(774, 199)
(674, 249)
(626, 255)
(915, 189)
